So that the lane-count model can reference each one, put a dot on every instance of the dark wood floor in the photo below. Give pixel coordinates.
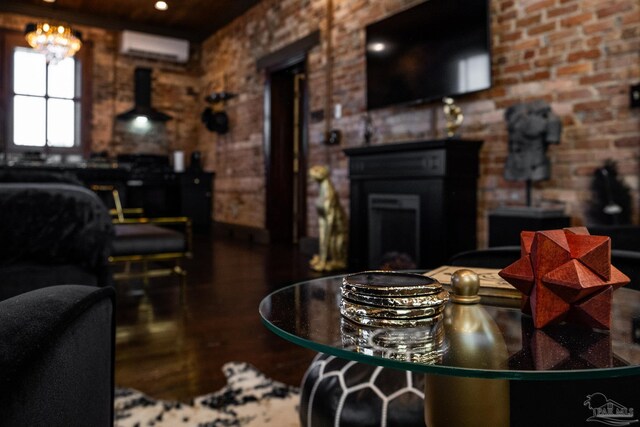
(176, 352)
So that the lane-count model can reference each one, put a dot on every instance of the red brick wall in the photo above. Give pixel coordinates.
(579, 55)
(176, 91)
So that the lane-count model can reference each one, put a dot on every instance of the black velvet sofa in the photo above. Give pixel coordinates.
(57, 324)
(57, 357)
(52, 234)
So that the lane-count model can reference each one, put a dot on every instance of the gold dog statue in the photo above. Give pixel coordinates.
(333, 225)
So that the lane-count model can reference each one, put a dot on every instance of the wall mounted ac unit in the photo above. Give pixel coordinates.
(153, 46)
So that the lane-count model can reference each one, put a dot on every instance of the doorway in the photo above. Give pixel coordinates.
(286, 152)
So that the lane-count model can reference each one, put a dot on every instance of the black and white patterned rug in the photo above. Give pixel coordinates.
(250, 399)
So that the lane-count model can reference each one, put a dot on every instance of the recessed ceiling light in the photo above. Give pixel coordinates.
(160, 5)
(49, 1)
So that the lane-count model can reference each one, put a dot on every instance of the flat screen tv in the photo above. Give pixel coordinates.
(435, 49)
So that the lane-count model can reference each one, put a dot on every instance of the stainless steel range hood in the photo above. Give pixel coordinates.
(142, 96)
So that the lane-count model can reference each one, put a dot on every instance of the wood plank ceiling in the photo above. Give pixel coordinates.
(194, 20)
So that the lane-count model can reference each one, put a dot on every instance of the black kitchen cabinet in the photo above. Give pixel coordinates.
(196, 197)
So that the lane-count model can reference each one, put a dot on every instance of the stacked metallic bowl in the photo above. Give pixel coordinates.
(385, 299)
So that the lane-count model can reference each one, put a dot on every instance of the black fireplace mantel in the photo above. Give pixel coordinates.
(417, 198)
(407, 146)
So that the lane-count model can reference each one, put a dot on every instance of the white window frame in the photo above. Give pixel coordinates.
(13, 41)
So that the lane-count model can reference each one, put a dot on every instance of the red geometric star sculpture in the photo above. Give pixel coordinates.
(565, 275)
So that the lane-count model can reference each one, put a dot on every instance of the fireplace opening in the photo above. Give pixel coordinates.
(394, 230)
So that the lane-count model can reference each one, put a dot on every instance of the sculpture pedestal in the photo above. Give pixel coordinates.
(506, 223)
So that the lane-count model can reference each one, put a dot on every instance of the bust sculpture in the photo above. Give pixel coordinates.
(532, 126)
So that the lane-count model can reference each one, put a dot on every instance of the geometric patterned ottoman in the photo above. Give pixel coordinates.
(340, 393)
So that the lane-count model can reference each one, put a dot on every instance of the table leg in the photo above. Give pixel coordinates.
(465, 402)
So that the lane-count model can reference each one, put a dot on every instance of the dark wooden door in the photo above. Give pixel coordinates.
(286, 154)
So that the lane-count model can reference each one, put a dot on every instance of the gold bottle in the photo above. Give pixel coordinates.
(474, 341)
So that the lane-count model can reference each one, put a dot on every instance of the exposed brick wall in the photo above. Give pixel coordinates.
(579, 55)
(229, 63)
(175, 91)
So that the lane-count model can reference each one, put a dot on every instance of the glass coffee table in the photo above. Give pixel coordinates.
(470, 356)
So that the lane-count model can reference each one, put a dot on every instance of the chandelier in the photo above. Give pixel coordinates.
(55, 41)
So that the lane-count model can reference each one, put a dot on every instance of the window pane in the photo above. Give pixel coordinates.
(62, 78)
(29, 72)
(61, 123)
(29, 121)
